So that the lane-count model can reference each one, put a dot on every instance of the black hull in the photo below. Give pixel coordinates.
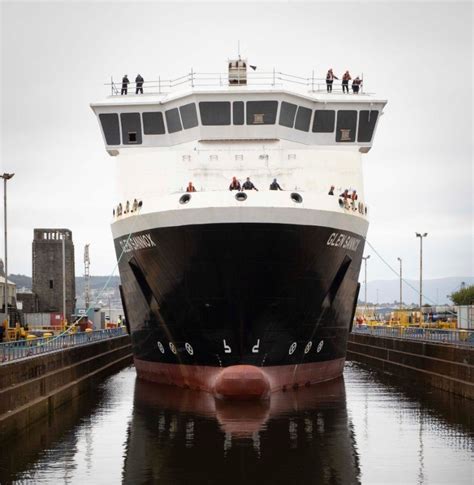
(243, 293)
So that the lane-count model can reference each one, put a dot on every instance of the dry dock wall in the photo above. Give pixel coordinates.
(34, 387)
(446, 367)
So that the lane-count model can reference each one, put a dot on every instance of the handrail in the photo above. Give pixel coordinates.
(21, 349)
(456, 337)
(218, 79)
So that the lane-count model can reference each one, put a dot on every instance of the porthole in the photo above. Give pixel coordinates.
(184, 199)
(160, 346)
(172, 348)
(320, 346)
(341, 203)
(292, 348)
(241, 196)
(189, 348)
(308, 347)
(295, 197)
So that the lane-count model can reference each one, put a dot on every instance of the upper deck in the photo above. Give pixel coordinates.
(212, 107)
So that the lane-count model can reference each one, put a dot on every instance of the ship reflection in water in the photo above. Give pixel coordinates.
(367, 428)
(178, 436)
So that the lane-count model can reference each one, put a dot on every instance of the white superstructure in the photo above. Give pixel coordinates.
(308, 140)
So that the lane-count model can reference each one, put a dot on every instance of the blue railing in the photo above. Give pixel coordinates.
(21, 349)
(455, 337)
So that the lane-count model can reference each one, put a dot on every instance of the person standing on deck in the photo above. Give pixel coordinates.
(329, 80)
(345, 82)
(139, 83)
(125, 83)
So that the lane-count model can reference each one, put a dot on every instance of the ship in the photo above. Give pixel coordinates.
(239, 293)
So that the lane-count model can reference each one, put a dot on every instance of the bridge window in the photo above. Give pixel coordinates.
(173, 121)
(367, 120)
(153, 123)
(346, 125)
(131, 128)
(287, 114)
(238, 112)
(215, 113)
(110, 127)
(261, 112)
(303, 118)
(324, 121)
(189, 115)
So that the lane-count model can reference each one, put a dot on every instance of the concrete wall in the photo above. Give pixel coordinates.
(36, 386)
(446, 367)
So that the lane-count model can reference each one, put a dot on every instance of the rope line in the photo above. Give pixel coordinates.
(403, 279)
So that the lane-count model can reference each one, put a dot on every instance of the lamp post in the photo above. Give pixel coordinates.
(365, 258)
(401, 305)
(5, 177)
(421, 236)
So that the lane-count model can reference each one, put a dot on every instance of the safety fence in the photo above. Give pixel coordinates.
(193, 79)
(456, 337)
(21, 349)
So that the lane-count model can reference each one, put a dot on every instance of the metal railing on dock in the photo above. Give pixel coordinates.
(21, 349)
(446, 336)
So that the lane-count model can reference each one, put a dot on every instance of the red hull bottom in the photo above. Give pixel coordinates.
(239, 381)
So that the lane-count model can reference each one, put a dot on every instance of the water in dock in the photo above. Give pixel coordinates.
(366, 428)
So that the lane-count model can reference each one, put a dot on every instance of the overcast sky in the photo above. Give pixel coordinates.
(55, 58)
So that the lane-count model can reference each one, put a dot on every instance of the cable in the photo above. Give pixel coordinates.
(403, 280)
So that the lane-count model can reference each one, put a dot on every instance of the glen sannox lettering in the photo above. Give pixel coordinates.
(136, 243)
(344, 241)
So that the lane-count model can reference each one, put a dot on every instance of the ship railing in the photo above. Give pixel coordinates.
(25, 348)
(269, 79)
(126, 209)
(439, 335)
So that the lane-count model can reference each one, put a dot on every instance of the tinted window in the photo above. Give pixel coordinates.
(287, 114)
(215, 113)
(110, 127)
(324, 121)
(238, 112)
(153, 123)
(189, 115)
(172, 120)
(261, 112)
(303, 119)
(367, 120)
(131, 128)
(346, 125)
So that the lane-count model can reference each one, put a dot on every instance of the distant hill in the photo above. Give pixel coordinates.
(435, 290)
(97, 282)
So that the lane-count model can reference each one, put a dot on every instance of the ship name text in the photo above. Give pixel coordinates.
(344, 241)
(137, 242)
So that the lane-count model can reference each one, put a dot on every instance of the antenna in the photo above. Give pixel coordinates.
(87, 276)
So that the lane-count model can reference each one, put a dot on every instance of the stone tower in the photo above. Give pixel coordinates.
(48, 270)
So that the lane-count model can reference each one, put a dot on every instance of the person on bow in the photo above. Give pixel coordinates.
(275, 185)
(235, 184)
(190, 187)
(248, 185)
